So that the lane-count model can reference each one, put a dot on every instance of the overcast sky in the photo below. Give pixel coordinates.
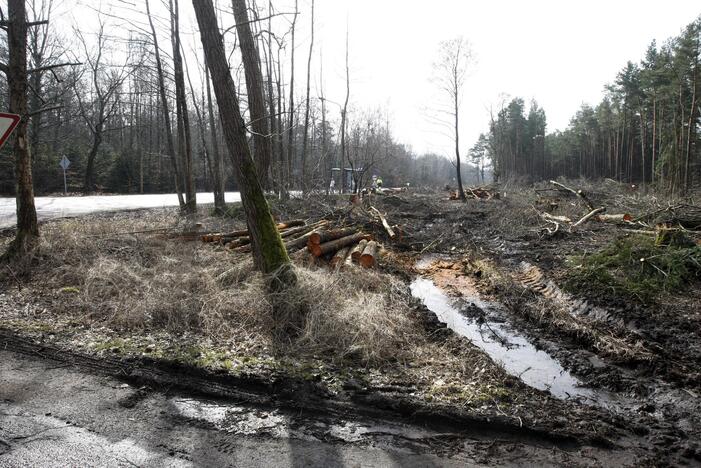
(560, 53)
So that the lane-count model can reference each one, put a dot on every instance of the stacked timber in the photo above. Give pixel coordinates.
(324, 244)
(294, 233)
(343, 246)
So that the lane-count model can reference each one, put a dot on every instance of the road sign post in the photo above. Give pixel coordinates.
(64, 163)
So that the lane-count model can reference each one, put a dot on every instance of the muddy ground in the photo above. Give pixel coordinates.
(613, 380)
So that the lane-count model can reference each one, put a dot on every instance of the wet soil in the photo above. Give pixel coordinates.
(586, 374)
(496, 280)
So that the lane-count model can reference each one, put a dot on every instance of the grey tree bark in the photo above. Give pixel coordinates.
(269, 252)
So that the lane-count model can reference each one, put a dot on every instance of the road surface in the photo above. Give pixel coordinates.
(59, 207)
(55, 415)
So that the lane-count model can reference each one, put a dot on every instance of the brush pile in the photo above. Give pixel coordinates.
(476, 193)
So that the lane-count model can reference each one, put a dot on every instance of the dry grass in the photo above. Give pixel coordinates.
(149, 283)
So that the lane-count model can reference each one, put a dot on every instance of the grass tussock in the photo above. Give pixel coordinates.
(149, 283)
(635, 267)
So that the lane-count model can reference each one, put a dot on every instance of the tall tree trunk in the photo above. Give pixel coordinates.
(262, 145)
(306, 107)
(217, 163)
(461, 191)
(170, 145)
(291, 105)
(344, 120)
(271, 103)
(184, 134)
(89, 181)
(27, 234)
(268, 249)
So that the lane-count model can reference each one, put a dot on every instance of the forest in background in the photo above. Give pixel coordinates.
(644, 131)
(129, 112)
(98, 98)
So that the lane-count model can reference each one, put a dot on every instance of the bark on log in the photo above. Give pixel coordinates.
(229, 236)
(367, 259)
(615, 218)
(332, 246)
(300, 242)
(289, 233)
(357, 251)
(340, 257)
(321, 237)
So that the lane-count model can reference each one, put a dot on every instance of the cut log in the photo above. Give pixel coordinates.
(367, 259)
(615, 218)
(340, 257)
(225, 237)
(588, 216)
(332, 246)
(385, 224)
(357, 251)
(290, 223)
(320, 237)
(299, 242)
(578, 193)
(299, 230)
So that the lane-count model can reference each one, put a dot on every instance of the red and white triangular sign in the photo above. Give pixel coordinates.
(8, 122)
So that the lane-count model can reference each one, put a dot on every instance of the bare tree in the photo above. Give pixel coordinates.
(306, 111)
(291, 104)
(27, 234)
(183, 119)
(170, 145)
(269, 252)
(455, 56)
(344, 117)
(104, 84)
(262, 143)
(217, 162)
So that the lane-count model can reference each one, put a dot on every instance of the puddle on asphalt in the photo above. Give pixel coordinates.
(518, 357)
(244, 420)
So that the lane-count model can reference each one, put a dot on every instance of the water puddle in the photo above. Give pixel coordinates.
(248, 421)
(519, 358)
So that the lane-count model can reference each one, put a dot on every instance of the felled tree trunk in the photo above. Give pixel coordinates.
(322, 249)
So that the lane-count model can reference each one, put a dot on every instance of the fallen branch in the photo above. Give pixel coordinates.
(385, 224)
(555, 219)
(578, 193)
(588, 216)
(624, 218)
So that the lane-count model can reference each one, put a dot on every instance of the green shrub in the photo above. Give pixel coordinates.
(636, 268)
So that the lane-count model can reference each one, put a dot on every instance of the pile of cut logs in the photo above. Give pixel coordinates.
(344, 246)
(339, 245)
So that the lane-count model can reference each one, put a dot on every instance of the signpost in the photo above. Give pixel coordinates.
(64, 163)
(8, 122)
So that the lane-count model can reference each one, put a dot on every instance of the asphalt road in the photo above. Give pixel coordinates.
(55, 415)
(59, 207)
